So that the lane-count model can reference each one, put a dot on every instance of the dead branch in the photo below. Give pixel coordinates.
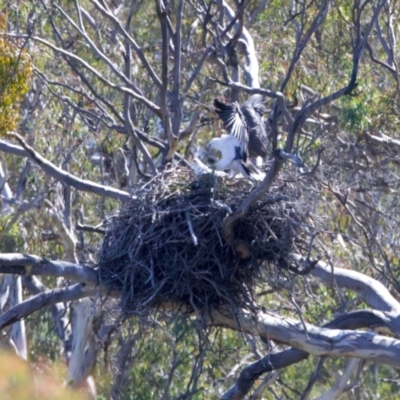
(61, 175)
(24, 264)
(48, 298)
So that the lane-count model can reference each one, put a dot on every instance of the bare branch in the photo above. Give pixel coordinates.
(374, 293)
(104, 80)
(67, 235)
(197, 70)
(176, 99)
(304, 39)
(5, 193)
(99, 53)
(257, 11)
(131, 41)
(162, 11)
(59, 311)
(48, 298)
(322, 341)
(61, 175)
(24, 264)
(256, 194)
(276, 361)
(127, 108)
(252, 67)
(313, 379)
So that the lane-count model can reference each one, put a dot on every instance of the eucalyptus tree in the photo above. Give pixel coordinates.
(120, 90)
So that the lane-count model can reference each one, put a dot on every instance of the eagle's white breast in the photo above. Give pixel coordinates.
(226, 145)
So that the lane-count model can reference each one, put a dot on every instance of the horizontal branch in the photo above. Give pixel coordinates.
(24, 264)
(47, 298)
(321, 342)
(272, 362)
(61, 175)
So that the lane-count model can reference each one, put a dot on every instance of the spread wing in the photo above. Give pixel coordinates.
(234, 122)
(253, 110)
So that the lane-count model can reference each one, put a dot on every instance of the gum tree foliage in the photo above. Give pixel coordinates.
(15, 73)
(122, 88)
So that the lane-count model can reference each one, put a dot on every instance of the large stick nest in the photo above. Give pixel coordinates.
(167, 245)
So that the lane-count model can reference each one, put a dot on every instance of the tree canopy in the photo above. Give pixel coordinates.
(103, 108)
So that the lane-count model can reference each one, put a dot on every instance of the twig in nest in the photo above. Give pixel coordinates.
(194, 238)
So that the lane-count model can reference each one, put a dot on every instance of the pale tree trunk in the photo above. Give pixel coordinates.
(83, 354)
(18, 333)
(11, 288)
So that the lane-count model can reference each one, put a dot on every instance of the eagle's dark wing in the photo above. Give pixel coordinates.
(234, 122)
(249, 170)
(253, 110)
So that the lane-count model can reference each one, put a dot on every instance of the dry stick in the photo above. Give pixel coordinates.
(89, 228)
(59, 174)
(192, 234)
